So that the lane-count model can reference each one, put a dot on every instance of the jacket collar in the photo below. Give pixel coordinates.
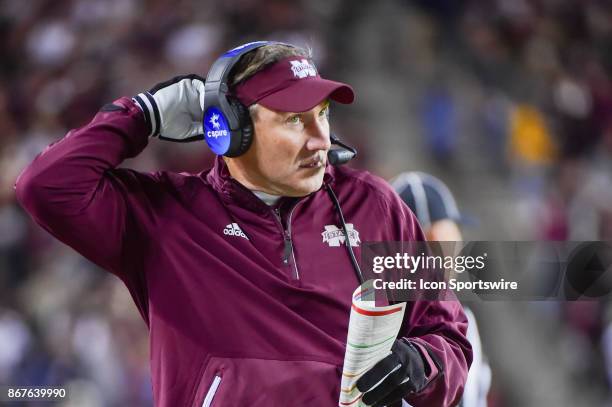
(231, 191)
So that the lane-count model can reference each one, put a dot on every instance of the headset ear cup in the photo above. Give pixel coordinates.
(245, 136)
(247, 128)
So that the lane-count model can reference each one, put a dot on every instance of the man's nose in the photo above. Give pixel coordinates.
(318, 137)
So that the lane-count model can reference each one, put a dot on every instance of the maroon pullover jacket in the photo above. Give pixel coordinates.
(242, 311)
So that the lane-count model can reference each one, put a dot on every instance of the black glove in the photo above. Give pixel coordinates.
(173, 109)
(391, 379)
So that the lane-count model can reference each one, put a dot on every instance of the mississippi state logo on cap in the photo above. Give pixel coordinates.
(291, 85)
(303, 69)
(216, 131)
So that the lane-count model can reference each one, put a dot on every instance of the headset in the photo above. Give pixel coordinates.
(228, 129)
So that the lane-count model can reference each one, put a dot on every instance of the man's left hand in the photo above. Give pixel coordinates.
(173, 109)
(392, 378)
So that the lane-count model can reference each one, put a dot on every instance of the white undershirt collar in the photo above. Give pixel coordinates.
(268, 199)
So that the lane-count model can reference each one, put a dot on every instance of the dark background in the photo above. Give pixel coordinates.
(507, 101)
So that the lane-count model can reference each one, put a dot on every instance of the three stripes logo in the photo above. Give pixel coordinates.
(234, 230)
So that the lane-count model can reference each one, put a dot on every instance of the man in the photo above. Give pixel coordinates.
(241, 271)
(435, 207)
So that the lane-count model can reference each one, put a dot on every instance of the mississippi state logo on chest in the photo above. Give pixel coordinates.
(334, 236)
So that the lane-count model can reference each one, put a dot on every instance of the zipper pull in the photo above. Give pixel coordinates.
(287, 251)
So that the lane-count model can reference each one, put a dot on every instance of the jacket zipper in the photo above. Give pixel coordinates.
(288, 234)
(212, 390)
(288, 252)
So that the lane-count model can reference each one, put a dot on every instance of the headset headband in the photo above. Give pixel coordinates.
(221, 68)
(220, 120)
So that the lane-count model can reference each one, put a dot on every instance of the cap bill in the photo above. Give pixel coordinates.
(304, 95)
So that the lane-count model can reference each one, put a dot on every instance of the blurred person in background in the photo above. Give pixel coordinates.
(220, 264)
(435, 208)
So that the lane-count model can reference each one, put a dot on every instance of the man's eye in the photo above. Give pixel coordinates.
(294, 120)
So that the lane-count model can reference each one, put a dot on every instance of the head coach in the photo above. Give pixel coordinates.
(244, 273)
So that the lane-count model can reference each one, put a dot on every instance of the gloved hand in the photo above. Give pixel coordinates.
(173, 109)
(392, 378)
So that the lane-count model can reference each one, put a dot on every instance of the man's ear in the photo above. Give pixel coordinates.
(254, 112)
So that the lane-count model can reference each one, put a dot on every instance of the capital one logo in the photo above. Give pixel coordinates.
(302, 69)
(335, 236)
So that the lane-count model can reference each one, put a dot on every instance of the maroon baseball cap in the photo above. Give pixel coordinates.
(291, 85)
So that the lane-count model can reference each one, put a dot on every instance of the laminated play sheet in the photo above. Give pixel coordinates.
(371, 333)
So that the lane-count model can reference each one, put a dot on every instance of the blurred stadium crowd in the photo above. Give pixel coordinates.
(508, 101)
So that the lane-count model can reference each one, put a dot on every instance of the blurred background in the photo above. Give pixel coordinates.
(507, 101)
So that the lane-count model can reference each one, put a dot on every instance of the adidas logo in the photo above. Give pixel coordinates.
(234, 230)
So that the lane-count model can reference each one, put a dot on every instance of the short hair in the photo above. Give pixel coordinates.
(256, 60)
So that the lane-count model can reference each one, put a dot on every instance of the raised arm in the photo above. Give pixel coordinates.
(73, 188)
